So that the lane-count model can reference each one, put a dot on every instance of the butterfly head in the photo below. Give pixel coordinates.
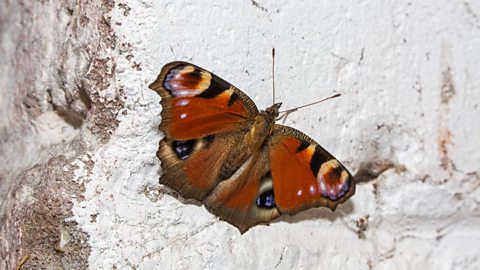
(273, 111)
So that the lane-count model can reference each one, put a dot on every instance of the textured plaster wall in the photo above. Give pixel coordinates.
(407, 122)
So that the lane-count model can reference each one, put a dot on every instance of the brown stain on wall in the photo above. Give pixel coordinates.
(447, 90)
(444, 141)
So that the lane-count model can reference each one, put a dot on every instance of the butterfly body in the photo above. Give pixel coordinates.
(262, 127)
(246, 169)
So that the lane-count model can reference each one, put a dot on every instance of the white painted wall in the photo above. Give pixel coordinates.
(390, 60)
(409, 74)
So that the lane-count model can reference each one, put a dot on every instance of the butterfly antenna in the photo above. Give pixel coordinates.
(289, 111)
(273, 74)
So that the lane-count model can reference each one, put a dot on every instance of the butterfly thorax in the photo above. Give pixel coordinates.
(262, 127)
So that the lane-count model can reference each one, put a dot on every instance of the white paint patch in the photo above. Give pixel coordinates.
(79, 173)
(183, 116)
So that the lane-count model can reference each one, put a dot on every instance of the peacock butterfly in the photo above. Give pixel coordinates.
(221, 150)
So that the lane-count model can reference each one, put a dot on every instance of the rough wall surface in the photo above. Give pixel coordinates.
(407, 123)
(54, 74)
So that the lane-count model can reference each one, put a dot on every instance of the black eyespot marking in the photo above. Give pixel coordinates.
(232, 99)
(302, 146)
(217, 86)
(318, 159)
(183, 149)
(266, 200)
(195, 75)
(337, 171)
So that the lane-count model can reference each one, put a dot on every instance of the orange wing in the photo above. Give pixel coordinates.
(196, 103)
(304, 174)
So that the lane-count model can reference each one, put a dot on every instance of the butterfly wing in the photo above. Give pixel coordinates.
(204, 119)
(245, 199)
(304, 174)
(289, 174)
(196, 103)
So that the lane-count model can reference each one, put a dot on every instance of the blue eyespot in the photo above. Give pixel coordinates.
(266, 199)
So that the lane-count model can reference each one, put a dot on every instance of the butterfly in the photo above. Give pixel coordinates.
(246, 169)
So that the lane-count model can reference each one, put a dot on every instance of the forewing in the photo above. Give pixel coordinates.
(196, 103)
